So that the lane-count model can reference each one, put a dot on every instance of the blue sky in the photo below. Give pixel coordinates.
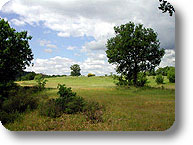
(74, 31)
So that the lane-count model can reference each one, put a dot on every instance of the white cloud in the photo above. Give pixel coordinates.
(168, 59)
(94, 18)
(96, 64)
(71, 47)
(2, 2)
(17, 22)
(48, 50)
(47, 43)
(94, 45)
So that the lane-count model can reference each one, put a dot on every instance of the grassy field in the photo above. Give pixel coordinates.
(150, 108)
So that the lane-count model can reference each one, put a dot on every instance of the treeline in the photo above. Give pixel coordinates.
(161, 71)
(25, 76)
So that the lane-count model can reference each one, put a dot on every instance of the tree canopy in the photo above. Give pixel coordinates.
(15, 52)
(75, 70)
(166, 7)
(134, 49)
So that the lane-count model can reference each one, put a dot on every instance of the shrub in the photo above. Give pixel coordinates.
(90, 75)
(19, 100)
(41, 81)
(94, 112)
(159, 79)
(50, 109)
(141, 79)
(68, 102)
(20, 103)
(8, 117)
(171, 75)
(121, 81)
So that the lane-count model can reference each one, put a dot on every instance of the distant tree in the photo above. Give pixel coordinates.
(166, 7)
(134, 49)
(75, 70)
(163, 70)
(41, 82)
(171, 74)
(90, 75)
(15, 52)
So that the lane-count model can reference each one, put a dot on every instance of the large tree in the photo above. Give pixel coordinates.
(75, 70)
(15, 52)
(134, 49)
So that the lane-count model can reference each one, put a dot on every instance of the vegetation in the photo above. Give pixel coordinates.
(171, 75)
(41, 82)
(15, 52)
(134, 49)
(90, 75)
(126, 109)
(75, 70)
(166, 7)
(159, 79)
(20, 99)
(88, 103)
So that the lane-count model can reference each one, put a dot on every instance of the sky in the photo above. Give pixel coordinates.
(67, 32)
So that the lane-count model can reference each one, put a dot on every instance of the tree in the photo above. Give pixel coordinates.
(171, 74)
(75, 70)
(15, 52)
(134, 49)
(40, 81)
(166, 7)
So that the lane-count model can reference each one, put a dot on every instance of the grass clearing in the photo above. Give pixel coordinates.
(127, 109)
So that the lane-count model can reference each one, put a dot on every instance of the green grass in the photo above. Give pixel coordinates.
(127, 109)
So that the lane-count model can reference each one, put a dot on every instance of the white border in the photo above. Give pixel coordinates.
(179, 134)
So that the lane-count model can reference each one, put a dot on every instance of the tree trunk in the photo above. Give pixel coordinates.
(135, 79)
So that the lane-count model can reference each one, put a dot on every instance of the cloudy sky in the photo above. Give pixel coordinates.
(67, 32)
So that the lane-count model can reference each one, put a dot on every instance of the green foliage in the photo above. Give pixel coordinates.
(29, 76)
(162, 71)
(121, 81)
(68, 102)
(41, 82)
(50, 109)
(15, 52)
(171, 75)
(75, 70)
(8, 117)
(18, 101)
(134, 49)
(94, 112)
(90, 75)
(141, 79)
(166, 7)
(159, 79)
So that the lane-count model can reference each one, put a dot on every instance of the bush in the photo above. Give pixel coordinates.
(20, 103)
(19, 100)
(159, 79)
(171, 75)
(8, 117)
(141, 79)
(121, 81)
(94, 112)
(91, 75)
(41, 81)
(68, 102)
(50, 109)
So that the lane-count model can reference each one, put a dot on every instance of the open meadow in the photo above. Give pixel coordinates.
(151, 108)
